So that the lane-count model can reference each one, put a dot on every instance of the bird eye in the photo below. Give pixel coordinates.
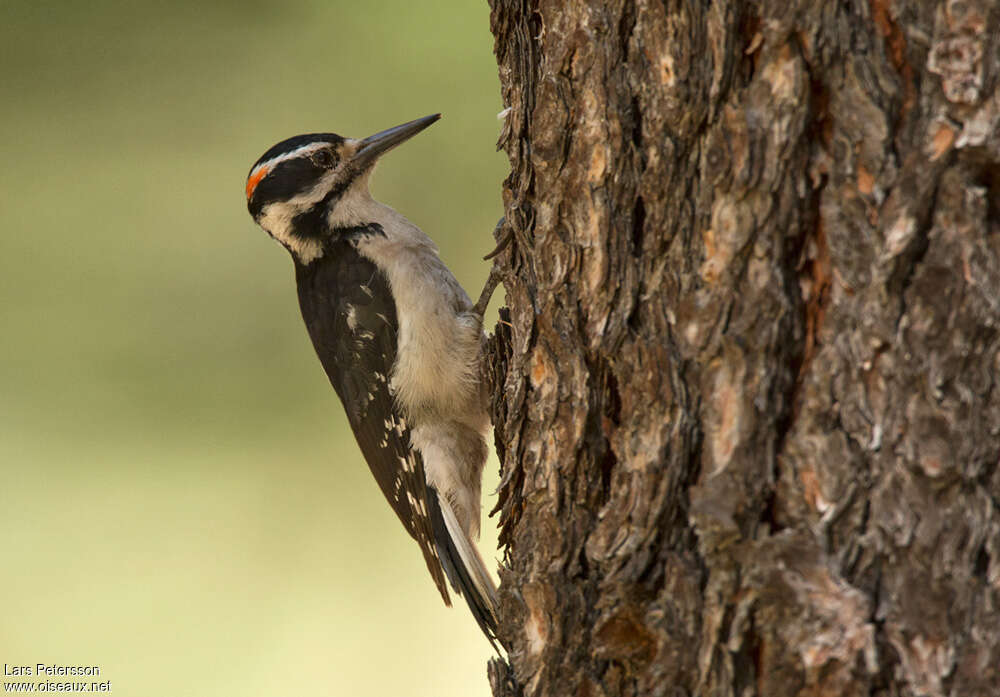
(324, 159)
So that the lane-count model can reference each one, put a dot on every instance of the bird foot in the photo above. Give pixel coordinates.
(484, 298)
(494, 278)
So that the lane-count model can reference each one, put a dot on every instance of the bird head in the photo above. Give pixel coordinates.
(304, 189)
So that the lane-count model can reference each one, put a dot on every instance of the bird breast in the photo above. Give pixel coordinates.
(436, 374)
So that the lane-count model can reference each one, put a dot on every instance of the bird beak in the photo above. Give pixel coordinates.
(372, 147)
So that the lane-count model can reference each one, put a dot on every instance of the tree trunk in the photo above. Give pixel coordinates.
(747, 402)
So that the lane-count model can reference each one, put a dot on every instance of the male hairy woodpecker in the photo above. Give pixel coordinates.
(398, 337)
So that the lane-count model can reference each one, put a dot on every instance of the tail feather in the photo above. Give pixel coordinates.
(463, 565)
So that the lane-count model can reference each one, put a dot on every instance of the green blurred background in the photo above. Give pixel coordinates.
(181, 502)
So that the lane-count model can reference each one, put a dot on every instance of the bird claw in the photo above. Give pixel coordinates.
(503, 242)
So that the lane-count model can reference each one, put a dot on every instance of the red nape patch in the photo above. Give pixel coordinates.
(254, 180)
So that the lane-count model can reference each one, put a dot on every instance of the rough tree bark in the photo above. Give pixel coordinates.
(747, 402)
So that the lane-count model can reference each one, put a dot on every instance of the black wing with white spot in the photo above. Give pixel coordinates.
(349, 312)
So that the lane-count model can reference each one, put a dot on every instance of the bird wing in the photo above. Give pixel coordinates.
(351, 319)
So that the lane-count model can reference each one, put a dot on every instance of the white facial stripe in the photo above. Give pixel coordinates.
(307, 200)
(297, 152)
(276, 218)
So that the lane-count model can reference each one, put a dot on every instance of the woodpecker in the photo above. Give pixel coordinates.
(398, 338)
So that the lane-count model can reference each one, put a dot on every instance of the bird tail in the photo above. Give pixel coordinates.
(464, 565)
